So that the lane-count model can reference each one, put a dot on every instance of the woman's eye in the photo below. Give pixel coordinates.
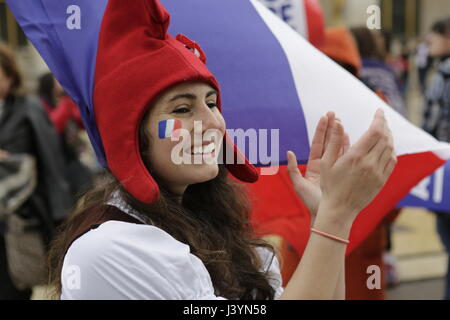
(182, 110)
(212, 105)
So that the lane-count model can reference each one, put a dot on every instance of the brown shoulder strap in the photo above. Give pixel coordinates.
(95, 216)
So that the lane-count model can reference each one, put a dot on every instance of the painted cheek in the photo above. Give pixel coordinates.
(169, 128)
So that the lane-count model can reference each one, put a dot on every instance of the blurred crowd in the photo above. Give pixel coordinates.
(41, 173)
(42, 150)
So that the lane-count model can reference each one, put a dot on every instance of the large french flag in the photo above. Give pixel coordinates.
(271, 78)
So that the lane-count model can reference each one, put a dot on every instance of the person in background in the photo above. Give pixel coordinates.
(61, 109)
(399, 63)
(10, 83)
(26, 130)
(66, 118)
(436, 117)
(403, 69)
(375, 72)
(424, 62)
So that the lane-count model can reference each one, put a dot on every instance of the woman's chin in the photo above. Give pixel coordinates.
(204, 172)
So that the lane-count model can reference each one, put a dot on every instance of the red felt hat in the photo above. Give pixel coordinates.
(137, 60)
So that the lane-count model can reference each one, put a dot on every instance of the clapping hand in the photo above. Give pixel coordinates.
(308, 187)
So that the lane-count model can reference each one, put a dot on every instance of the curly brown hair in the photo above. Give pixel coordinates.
(212, 218)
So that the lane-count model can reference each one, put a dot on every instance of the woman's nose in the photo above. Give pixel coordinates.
(209, 118)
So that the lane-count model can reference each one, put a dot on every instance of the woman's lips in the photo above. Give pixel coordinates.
(205, 149)
(201, 155)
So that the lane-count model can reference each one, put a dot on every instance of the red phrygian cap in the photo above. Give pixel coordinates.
(137, 60)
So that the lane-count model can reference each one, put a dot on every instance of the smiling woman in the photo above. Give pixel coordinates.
(198, 206)
(178, 231)
(156, 228)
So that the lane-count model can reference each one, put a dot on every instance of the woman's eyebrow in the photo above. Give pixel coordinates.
(189, 96)
(212, 92)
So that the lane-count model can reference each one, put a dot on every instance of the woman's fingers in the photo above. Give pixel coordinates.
(335, 144)
(318, 142)
(376, 152)
(390, 166)
(385, 157)
(331, 119)
(357, 177)
(346, 142)
(323, 134)
(388, 152)
(294, 172)
(376, 132)
(383, 154)
(371, 137)
(390, 160)
(345, 145)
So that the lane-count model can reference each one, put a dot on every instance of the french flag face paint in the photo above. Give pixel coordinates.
(168, 128)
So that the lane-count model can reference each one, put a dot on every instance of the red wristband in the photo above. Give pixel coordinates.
(330, 236)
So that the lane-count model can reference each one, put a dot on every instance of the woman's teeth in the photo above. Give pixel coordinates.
(204, 149)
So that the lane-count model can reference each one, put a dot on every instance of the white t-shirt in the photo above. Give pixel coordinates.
(120, 260)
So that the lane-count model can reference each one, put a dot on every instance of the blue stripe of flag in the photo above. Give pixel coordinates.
(162, 127)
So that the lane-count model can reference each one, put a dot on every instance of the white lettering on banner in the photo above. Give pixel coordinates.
(374, 19)
(281, 8)
(438, 185)
(291, 11)
(74, 20)
(421, 190)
